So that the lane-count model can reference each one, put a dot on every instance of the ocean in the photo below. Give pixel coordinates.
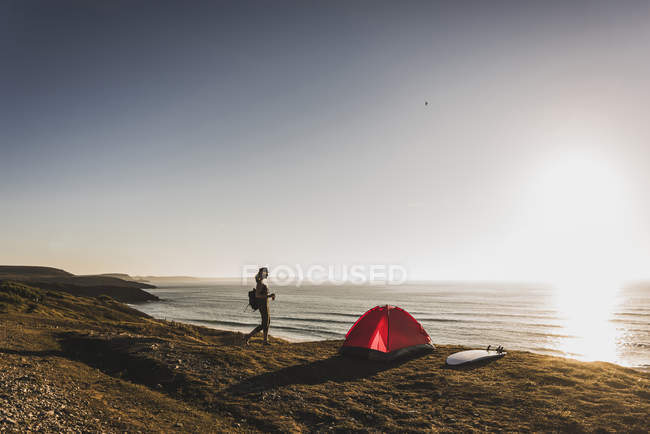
(613, 328)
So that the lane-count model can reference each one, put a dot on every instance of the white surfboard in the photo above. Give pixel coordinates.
(473, 356)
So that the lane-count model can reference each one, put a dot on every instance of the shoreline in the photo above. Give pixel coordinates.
(515, 318)
(544, 352)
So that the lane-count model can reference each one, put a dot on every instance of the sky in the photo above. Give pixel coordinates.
(196, 138)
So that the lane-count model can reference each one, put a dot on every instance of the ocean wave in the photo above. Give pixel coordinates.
(489, 314)
(316, 320)
(631, 330)
(309, 331)
(492, 305)
(629, 321)
(219, 322)
(485, 321)
(549, 335)
(325, 321)
(351, 315)
(633, 345)
(469, 330)
(325, 330)
(634, 314)
(506, 331)
(441, 320)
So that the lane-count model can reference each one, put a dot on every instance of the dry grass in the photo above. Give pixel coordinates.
(203, 379)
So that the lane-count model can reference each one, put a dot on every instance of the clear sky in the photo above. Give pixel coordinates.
(197, 137)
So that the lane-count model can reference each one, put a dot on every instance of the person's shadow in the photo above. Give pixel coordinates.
(336, 368)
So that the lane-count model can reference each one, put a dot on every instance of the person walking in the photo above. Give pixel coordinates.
(262, 295)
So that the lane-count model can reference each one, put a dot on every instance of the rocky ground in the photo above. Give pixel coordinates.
(75, 364)
(42, 391)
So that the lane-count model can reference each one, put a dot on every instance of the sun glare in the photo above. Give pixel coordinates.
(585, 309)
(578, 208)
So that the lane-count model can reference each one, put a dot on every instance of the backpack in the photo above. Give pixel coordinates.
(252, 300)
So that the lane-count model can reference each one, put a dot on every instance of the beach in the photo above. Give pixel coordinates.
(78, 363)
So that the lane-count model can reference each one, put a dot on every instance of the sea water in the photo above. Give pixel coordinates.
(538, 319)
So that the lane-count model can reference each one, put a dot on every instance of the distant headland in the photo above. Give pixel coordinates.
(121, 287)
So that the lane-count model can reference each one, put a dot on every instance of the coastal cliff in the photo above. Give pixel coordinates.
(127, 291)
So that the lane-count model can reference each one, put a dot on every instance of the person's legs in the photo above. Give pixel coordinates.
(264, 310)
(255, 331)
(263, 307)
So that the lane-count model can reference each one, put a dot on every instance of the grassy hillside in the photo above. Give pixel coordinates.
(96, 364)
(90, 285)
(23, 271)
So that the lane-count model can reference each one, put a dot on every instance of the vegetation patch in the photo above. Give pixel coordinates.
(17, 296)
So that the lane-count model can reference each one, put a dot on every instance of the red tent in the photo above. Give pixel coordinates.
(385, 332)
